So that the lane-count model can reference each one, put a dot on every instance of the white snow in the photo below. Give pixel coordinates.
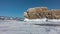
(44, 19)
(54, 20)
(21, 27)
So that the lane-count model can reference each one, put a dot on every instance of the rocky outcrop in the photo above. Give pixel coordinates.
(42, 12)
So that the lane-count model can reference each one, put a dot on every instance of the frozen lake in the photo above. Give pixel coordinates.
(19, 27)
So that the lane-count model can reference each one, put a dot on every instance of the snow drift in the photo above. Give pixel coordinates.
(43, 20)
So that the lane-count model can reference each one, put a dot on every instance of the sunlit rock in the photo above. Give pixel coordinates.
(42, 12)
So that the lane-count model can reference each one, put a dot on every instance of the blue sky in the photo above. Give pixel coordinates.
(16, 8)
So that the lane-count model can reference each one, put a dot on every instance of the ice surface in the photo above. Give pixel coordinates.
(21, 27)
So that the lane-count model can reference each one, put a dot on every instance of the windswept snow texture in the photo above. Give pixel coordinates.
(21, 27)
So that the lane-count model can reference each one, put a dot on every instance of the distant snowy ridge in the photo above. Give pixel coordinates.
(11, 18)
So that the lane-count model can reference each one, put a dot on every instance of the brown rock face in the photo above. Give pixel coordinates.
(42, 12)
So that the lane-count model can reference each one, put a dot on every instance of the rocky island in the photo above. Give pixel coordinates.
(42, 12)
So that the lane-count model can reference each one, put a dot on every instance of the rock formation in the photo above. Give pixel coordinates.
(42, 12)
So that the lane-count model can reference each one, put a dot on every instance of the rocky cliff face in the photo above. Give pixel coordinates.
(42, 12)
